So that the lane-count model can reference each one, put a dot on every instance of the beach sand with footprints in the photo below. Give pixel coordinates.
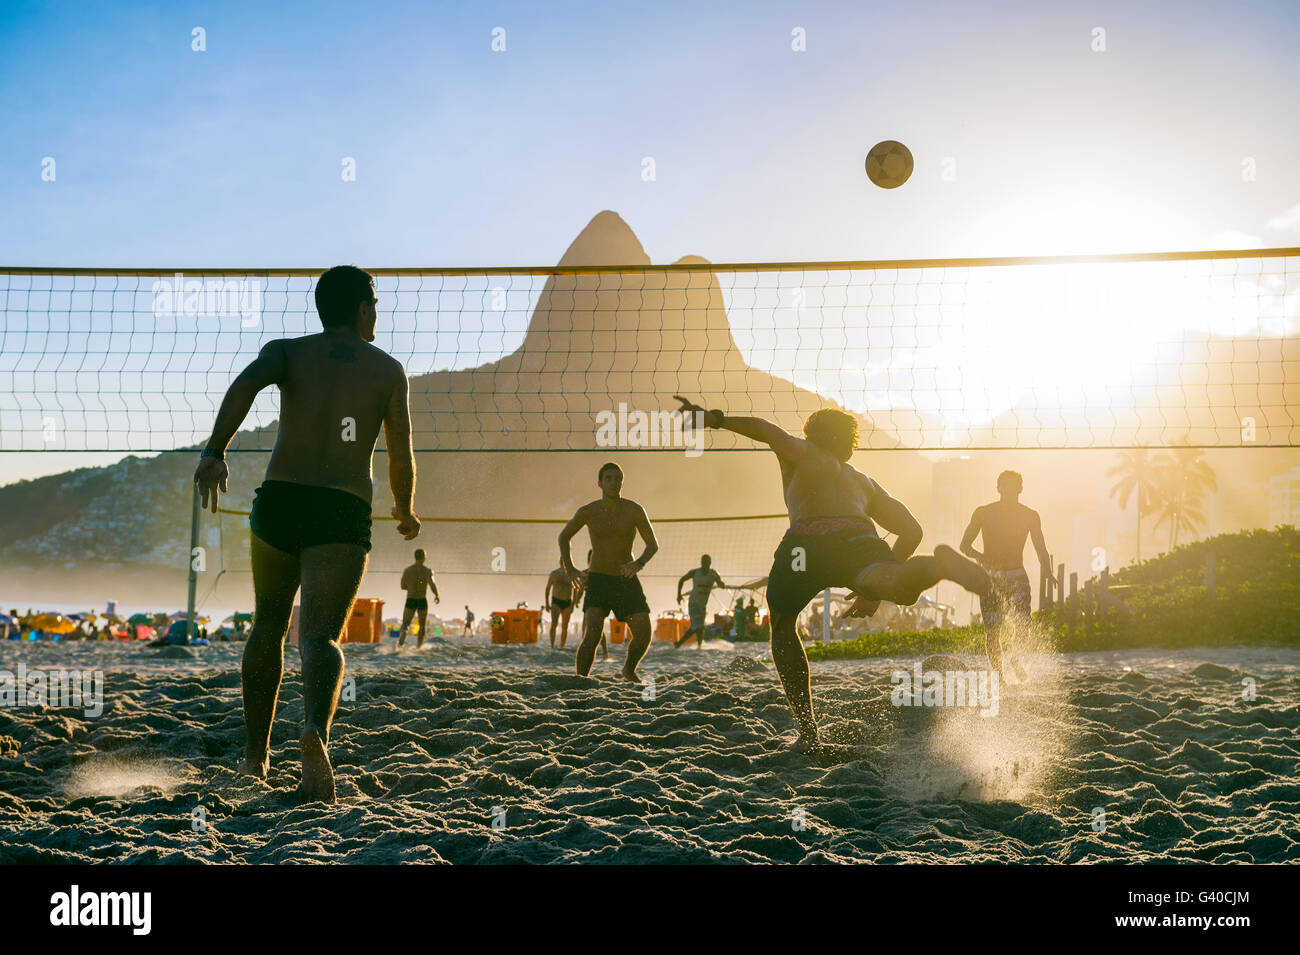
(466, 752)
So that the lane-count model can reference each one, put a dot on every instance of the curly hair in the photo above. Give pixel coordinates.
(832, 430)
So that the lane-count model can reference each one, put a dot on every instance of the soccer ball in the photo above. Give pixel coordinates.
(889, 164)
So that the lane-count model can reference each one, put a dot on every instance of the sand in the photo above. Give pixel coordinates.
(468, 753)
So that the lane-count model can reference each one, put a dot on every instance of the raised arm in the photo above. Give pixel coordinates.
(968, 539)
(576, 523)
(401, 459)
(268, 368)
(779, 440)
(1040, 545)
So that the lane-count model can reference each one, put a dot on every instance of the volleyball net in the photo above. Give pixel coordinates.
(1078, 352)
(510, 548)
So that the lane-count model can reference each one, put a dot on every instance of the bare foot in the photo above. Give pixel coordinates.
(957, 568)
(257, 768)
(630, 675)
(317, 774)
(804, 742)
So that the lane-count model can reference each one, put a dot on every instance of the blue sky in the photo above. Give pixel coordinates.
(465, 156)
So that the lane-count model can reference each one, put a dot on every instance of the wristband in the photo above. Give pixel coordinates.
(721, 418)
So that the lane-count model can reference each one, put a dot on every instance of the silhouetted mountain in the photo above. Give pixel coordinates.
(594, 340)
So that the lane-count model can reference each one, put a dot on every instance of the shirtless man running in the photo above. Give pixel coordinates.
(613, 523)
(1005, 524)
(832, 540)
(703, 579)
(311, 518)
(415, 580)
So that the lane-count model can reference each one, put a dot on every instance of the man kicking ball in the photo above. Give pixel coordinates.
(832, 540)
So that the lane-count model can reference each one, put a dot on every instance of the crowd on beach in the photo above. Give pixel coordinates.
(746, 622)
(158, 628)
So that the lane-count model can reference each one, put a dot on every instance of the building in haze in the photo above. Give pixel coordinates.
(1284, 498)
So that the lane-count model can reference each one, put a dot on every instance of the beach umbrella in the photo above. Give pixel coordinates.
(111, 617)
(243, 618)
(139, 618)
(5, 618)
(53, 623)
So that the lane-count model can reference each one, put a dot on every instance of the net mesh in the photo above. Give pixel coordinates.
(1111, 351)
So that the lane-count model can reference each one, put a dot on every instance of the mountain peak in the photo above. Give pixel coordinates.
(606, 240)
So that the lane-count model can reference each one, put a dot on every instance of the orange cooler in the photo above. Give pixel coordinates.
(670, 629)
(521, 625)
(617, 631)
(365, 622)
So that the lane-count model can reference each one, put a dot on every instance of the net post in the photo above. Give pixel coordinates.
(194, 574)
(826, 615)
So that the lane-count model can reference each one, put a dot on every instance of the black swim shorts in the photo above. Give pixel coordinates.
(622, 596)
(291, 517)
(417, 603)
(559, 603)
(835, 554)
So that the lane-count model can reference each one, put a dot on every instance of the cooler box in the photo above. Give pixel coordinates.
(670, 629)
(365, 622)
(521, 625)
(617, 631)
(499, 627)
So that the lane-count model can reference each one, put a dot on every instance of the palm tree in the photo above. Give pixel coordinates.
(1184, 477)
(1137, 473)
